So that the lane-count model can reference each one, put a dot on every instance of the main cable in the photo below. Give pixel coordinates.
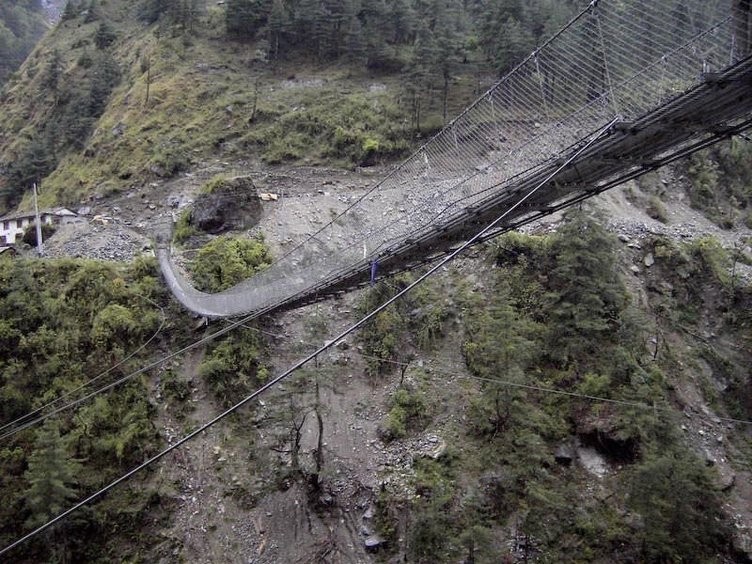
(312, 355)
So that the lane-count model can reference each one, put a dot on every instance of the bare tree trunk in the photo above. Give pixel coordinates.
(148, 80)
(319, 456)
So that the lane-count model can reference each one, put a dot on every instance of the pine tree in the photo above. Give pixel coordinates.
(404, 21)
(449, 39)
(92, 12)
(586, 296)
(51, 77)
(151, 10)
(279, 24)
(355, 46)
(72, 10)
(105, 77)
(51, 476)
(310, 25)
(499, 348)
(243, 18)
(105, 36)
(376, 30)
(418, 83)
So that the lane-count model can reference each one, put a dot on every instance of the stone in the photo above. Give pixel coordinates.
(233, 204)
(649, 260)
(374, 543)
(725, 478)
(592, 461)
(564, 455)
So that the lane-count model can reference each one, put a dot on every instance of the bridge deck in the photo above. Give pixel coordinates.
(710, 111)
(664, 82)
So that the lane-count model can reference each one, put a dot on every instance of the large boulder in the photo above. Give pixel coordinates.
(227, 204)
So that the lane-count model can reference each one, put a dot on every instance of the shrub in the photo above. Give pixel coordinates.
(226, 261)
(656, 209)
(407, 414)
(183, 229)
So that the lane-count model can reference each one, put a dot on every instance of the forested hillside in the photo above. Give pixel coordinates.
(89, 112)
(22, 23)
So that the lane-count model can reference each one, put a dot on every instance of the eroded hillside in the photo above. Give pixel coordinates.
(579, 392)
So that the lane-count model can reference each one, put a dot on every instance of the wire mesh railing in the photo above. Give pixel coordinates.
(615, 59)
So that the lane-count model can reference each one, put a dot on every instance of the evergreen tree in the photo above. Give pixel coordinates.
(404, 21)
(310, 25)
(151, 10)
(355, 47)
(681, 508)
(586, 296)
(504, 36)
(51, 78)
(34, 162)
(449, 39)
(72, 10)
(499, 348)
(279, 25)
(105, 77)
(105, 36)
(243, 18)
(92, 13)
(335, 17)
(418, 83)
(376, 30)
(51, 476)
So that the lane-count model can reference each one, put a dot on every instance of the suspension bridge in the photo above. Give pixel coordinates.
(625, 87)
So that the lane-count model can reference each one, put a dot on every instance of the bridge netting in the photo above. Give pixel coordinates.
(617, 59)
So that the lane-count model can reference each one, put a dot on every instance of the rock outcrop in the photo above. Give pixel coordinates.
(231, 204)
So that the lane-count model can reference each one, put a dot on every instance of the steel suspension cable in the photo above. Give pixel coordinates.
(354, 327)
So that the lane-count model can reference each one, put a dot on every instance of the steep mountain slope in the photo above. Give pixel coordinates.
(561, 396)
(22, 23)
(123, 93)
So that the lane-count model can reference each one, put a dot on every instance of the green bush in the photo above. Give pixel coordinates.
(656, 209)
(232, 368)
(407, 414)
(680, 508)
(226, 261)
(183, 229)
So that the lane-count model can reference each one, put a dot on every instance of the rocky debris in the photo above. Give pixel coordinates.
(232, 204)
(374, 543)
(96, 241)
(592, 461)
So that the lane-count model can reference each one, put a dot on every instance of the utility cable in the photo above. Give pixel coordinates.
(510, 75)
(131, 375)
(455, 372)
(69, 393)
(311, 356)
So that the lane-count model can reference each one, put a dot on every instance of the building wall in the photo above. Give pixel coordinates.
(11, 229)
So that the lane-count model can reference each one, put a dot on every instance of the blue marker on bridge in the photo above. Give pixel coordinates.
(374, 268)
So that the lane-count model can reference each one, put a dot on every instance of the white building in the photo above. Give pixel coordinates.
(13, 225)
